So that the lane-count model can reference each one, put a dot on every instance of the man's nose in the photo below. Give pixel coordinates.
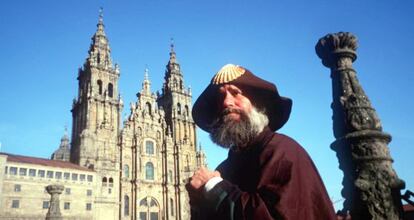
(228, 100)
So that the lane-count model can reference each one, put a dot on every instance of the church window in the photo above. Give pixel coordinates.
(88, 206)
(143, 202)
(45, 204)
(172, 206)
(104, 181)
(41, 173)
(13, 170)
(49, 174)
(187, 110)
(153, 203)
(100, 87)
(110, 90)
(66, 176)
(6, 169)
(32, 172)
(58, 175)
(74, 176)
(126, 205)
(90, 178)
(149, 171)
(66, 205)
(15, 204)
(88, 192)
(82, 177)
(148, 108)
(181, 84)
(111, 182)
(179, 108)
(109, 190)
(17, 188)
(154, 216)
(149, 147)
(22, 171)
(142, 216)
(67, 191)
(126, 171)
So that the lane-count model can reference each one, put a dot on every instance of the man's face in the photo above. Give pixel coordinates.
(232, 103)
(238, 122)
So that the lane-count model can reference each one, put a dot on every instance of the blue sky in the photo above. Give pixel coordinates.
(42, 43)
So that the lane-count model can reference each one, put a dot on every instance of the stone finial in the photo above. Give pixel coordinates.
(337, 50)
(54, 207)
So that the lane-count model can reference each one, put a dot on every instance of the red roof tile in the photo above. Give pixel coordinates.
(44, 162)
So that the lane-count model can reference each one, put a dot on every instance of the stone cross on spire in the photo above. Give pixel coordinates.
(371, 186)
(172, 52)
(146, 85)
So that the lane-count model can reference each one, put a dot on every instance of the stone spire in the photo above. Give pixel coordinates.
(99, 51)
(146, 84)
(172, 52)
(63, 152)
(371, 186)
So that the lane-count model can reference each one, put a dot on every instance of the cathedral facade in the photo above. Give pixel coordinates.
(138, 167)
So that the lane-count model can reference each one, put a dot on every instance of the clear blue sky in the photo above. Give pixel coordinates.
(42, 43)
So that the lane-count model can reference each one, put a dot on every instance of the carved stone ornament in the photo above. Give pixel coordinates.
(54, 207)
(371, 186)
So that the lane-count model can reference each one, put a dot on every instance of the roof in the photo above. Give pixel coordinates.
(43, 162)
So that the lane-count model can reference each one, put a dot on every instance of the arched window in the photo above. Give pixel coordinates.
(104, 181)
(149, 171)
(111, 182)
(99, 87)
(149, 147)
(148, 107)
(126, 205)
(126, 171)
(172, 206)
(179, 108)
(110, 90)
(143, 202)
(186, 110)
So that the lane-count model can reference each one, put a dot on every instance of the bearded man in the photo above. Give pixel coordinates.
(267, 175)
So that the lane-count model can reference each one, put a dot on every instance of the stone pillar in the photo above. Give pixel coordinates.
(54, 207)
(371, 186)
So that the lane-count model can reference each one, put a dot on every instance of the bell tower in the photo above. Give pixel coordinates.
(96, 121)
(176, 102)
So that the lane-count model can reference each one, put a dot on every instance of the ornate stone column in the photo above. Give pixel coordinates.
(371, 186)
(54, 207)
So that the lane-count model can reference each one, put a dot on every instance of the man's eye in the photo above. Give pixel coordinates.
(236, 92)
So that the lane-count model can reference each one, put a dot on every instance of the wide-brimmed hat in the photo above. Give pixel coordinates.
(261, 93)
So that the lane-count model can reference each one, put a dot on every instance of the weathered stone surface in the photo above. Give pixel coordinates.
(54, 207)
(371, 186)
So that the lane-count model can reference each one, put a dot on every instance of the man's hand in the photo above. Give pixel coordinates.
(201, 177)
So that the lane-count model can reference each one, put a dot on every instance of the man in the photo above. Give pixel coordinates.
(266, 175)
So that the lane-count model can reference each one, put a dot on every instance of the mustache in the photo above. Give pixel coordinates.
(231, 110)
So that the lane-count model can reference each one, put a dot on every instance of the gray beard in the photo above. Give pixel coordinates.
(229, 133)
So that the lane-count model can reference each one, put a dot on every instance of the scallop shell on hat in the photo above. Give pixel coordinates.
(227, 73)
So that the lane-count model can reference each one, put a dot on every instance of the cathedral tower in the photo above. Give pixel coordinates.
(96, 121)
(176, 102)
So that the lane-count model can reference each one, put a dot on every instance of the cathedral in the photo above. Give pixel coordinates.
(112, 168)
